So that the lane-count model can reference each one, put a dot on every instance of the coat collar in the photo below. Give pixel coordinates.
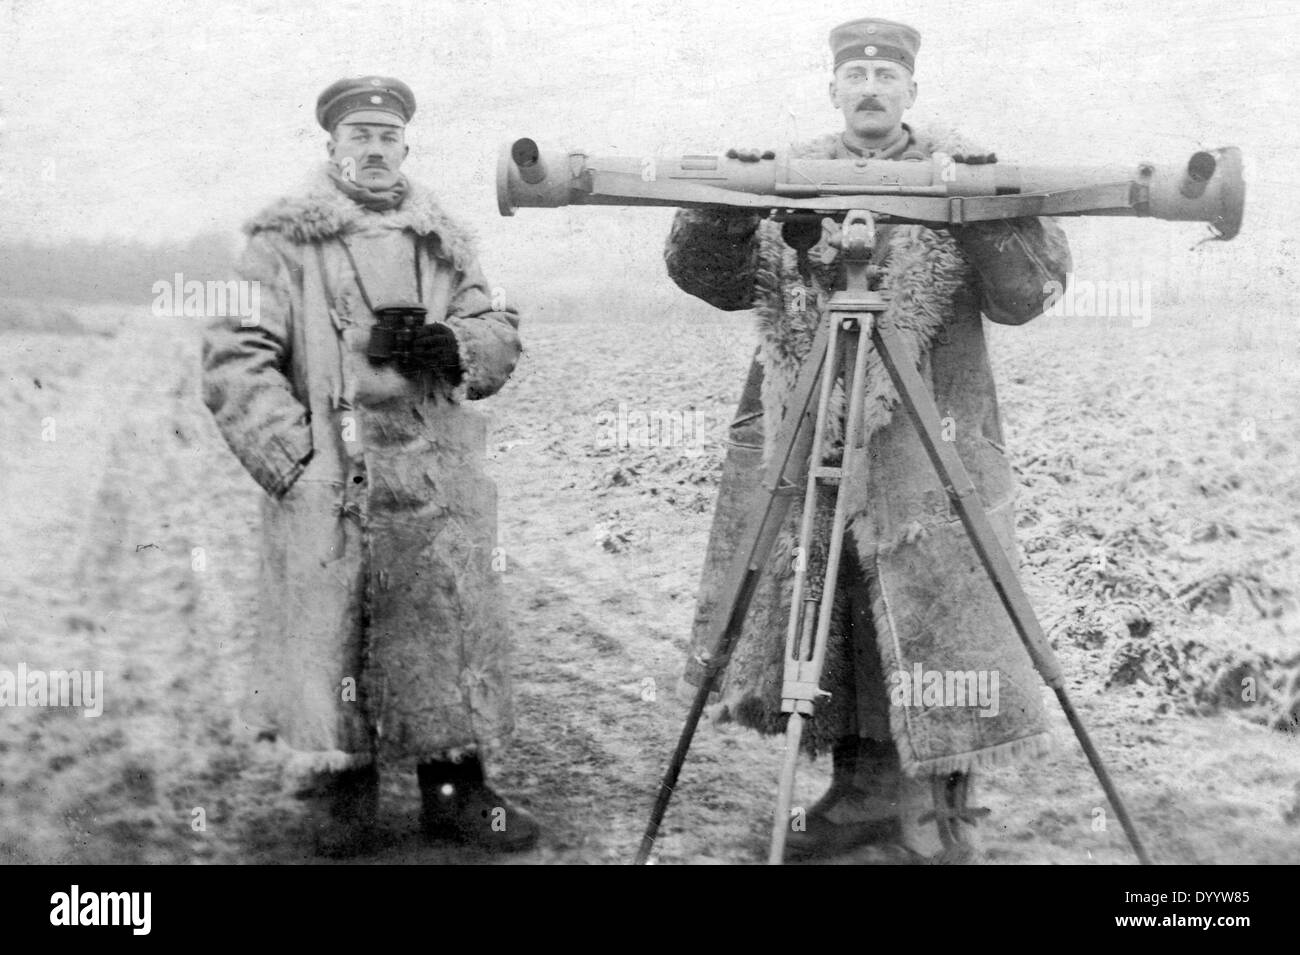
(322, 213)
(922, 139)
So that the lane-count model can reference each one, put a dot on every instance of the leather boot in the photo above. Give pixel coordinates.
(938, 821)
(859, 809)
(345, 807)
(457, 805)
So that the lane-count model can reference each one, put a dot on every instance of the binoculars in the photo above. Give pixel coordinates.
(393, 333)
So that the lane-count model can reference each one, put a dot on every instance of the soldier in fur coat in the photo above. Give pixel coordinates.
(382, 635)
(913, 599)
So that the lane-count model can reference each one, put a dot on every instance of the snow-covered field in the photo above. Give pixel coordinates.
(1159, 517)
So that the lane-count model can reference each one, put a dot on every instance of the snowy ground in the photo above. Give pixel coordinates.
(1159, 520)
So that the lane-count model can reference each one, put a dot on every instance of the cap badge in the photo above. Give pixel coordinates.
(375, 81)
(870, 50)
(376, 100)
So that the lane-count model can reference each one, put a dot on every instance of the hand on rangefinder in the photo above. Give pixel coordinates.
(975, 159)
(739, 224)
(746, 154)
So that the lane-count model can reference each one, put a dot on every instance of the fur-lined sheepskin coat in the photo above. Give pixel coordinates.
(930, 604)
(381, 625)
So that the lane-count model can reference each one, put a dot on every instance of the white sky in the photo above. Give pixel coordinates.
(158, 120)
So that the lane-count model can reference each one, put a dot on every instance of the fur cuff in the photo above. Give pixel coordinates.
(473, 382)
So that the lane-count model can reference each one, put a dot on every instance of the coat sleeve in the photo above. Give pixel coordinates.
(488, 336)
(244, 381)
(1016, 260)
(714, 256)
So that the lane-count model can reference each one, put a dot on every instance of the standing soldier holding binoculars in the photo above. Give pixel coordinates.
(382, 633)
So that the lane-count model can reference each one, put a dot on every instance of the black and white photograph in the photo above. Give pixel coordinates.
(461, 433)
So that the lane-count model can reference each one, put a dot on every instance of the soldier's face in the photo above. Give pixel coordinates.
(369, 154)
(872, 95)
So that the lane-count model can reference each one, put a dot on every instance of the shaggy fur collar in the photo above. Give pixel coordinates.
(321, 213)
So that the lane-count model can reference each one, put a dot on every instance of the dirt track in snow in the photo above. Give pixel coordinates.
(1159, 519)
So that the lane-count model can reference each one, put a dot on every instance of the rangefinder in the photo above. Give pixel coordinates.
(1205, 187)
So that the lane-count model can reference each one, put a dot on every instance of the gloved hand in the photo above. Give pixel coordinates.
(433, 348)
(972, 230)
(735, 224)
(975, 159)
(746, 154)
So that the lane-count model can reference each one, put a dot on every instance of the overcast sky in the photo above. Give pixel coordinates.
(161, 120)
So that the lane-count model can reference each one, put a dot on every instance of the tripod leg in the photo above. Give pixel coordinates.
(785, 789)
(805, 657)
(669, 782)
(770, 507)
(925, 416)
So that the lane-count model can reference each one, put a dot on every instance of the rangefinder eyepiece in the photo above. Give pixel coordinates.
(1200, 169)
(528, 158)
(527, 177)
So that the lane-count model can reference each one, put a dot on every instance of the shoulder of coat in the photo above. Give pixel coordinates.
(823, 147)
(425, 216)
(938, 137)
(319, 212)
